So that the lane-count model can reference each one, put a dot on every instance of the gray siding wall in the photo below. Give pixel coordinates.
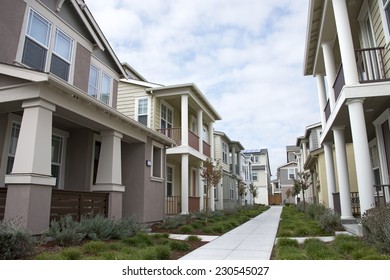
(79, 159)
(81, 68)
(11, 21)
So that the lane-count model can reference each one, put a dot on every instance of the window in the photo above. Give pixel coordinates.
(254, 176)
(386, 8)
(291, 173)
(57, 144)
(15, 130)
(256, 159)
(169, 180)
(56, 155)
(166, 120)
(62, 53)
(225, 152)
(156, 162)
(99, 85)
(37, 46)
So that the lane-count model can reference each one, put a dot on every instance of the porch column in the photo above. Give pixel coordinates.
(233, 160)
(364, 174)
(201, 189)
(30, 182)
(330, 69)
(200, 130)
(330, 176)
(109, 173)
(184, 120)
(211, 141)
(184, 183)
(321, 97)
(304, 153)
(342, 174)
(347, 49)
(212, 199)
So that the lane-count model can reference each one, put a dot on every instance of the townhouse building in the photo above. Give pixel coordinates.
(228, 153)
(347, 42)
(64, 147)
(183, 114)
(260, 174)
(286, 174)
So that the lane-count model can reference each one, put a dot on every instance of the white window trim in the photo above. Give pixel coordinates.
(64, 135)
(163, 103)
(159, 146)
(149, 109)
(102, 70)
(55, 25)
(223, 152)
(385, 116)
(385, 26)
(291, 171)
(173, 180)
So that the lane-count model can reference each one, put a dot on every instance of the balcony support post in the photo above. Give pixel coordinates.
(200, 130)
(321, 97)
(330, 175)
(347, 50)
(342, 173)
(364, 174)
(330, 69)
(184, 120)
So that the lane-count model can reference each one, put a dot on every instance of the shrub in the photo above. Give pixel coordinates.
(179, 246)
(376, 223)
(139, 240)
(186, 229)
(15, 241)
(65, 232)
(162, 252)
(173, 222)
(97, 227)
(193, 238)
(71, 254)
(329, 221)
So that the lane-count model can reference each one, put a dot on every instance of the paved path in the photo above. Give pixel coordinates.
(252, 240)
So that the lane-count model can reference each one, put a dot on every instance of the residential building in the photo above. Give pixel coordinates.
(183, 114)
(228, 153)
(287, 173)
(64, 148)
(347, 41)
(261, 174)
(246, 175)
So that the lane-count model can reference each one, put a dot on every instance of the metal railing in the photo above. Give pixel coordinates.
(172, 205)
(3, 197)
(370, 64)
(381, 192)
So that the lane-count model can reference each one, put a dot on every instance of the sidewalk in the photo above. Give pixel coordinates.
(252, 240)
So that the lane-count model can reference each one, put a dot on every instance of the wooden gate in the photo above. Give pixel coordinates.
(275, 199)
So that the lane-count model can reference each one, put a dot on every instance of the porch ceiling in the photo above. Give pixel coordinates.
(373, 108)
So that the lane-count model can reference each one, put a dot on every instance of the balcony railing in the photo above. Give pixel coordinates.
(3, 197)
(193, 139)
(370, 64)
(327, 110)
(339, 82)
(172, 205)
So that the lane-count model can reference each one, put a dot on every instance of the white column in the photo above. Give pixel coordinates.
(233, 160)
(211, 141)
(184, 120)
(201, 189)
(321, 97)
(364, 174)
(342, 173)
(330, 69)
(347, 50)
(304, 153)
(184, 184)
(109, 174)
(212, 199)
(330, 175)
(200, 130)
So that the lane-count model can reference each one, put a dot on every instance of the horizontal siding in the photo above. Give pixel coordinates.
(127, 94)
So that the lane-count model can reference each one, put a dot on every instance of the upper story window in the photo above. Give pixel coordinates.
(385, 13)
(255, 176)
(256, 159)
(225, 152)
(99, 85)
(40, 43)
(142, 110)
(291, 173)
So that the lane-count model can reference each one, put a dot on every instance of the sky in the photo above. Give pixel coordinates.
(246, 56)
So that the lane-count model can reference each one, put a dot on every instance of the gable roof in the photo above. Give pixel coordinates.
(95, 31)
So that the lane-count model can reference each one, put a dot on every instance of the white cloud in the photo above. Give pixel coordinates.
(246, 57)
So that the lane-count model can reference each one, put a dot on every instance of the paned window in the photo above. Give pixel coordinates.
(99, 85)
(142, 113)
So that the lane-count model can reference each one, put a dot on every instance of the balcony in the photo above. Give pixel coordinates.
(193, 139)
(370, 67)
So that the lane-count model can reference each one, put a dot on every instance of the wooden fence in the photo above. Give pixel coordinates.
(3, 196)
(77, 204)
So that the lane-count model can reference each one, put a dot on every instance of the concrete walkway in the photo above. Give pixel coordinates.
(253, 240)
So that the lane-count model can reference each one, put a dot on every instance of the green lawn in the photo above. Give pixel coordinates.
(344, 247)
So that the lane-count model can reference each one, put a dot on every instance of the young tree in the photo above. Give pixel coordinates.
(241, 190)
(301, 184)
(254, 191)
(211, 174)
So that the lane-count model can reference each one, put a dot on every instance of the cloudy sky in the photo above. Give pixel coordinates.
(246, 56)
